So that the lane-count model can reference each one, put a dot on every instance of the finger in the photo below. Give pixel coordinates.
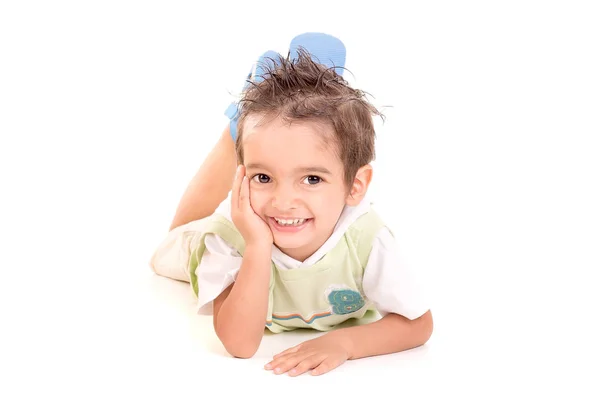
(308, 363)
(245, 194)
(291, 350)
(277, 361)
(235, 190)
(327, 365)
(285, 363)
(288, 351)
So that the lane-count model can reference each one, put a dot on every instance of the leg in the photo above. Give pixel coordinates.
(213, 181)
(207, 189)
(211, 184)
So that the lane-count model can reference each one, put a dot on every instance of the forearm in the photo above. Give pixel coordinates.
(240, 322)
(391, 334)
(210, 185)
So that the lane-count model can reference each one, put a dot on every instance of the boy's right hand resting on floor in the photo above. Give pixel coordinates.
(239, 313)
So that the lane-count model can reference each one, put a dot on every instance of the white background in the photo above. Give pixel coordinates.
(487, 168)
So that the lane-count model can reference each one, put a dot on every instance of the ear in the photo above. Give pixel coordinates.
(361, 183)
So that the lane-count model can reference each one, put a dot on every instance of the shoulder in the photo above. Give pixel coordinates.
(368, 225)
(368, 232)
(215, 244)
(224, 208)
(352, 217)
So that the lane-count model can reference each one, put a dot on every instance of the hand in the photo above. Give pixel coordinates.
(251, 226)
(320, 355)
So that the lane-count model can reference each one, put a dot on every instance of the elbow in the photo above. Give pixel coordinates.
(240, 348)
(246, 352)
(426, 327)
(240, 341)
(239, 345)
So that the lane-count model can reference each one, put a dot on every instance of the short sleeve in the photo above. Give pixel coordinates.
(171, 258)
(217, 270)
(389, 282)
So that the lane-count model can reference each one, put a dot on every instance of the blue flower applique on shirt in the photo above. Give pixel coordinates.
(345, 301)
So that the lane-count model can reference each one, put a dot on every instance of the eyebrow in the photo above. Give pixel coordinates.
(305, 169)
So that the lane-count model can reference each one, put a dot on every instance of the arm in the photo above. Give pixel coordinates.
(211, 184)
(393, 286)
(240, 311)
(394, 333)
(391, 334)
(390, 285)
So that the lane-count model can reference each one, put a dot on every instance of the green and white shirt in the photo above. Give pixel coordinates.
(358, 273)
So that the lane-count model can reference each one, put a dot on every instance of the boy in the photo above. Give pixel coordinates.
(296, 244)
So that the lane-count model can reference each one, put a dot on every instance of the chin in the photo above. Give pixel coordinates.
(288, 244)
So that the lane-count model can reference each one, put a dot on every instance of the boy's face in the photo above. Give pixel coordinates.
(296, 182)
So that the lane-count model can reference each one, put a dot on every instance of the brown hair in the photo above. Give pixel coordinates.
(303, 90)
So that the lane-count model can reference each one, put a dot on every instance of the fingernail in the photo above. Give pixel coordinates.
(268, 366)
(293, 372)
(277, 370)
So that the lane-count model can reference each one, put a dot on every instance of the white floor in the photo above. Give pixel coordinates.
(487, 169)
(86, 330)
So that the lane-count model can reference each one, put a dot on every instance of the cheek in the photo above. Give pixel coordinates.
(328, 204)
(258, 200)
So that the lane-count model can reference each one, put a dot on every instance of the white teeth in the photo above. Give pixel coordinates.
(290, 221)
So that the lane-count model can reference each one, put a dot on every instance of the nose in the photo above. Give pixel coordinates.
(284, 198)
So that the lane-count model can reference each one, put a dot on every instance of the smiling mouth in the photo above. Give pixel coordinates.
(291, 221)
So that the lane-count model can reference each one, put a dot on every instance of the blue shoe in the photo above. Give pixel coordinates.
(324, 49)
(269, 58)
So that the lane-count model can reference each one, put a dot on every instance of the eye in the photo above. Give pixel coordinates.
(261, 178)
(312, 180)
